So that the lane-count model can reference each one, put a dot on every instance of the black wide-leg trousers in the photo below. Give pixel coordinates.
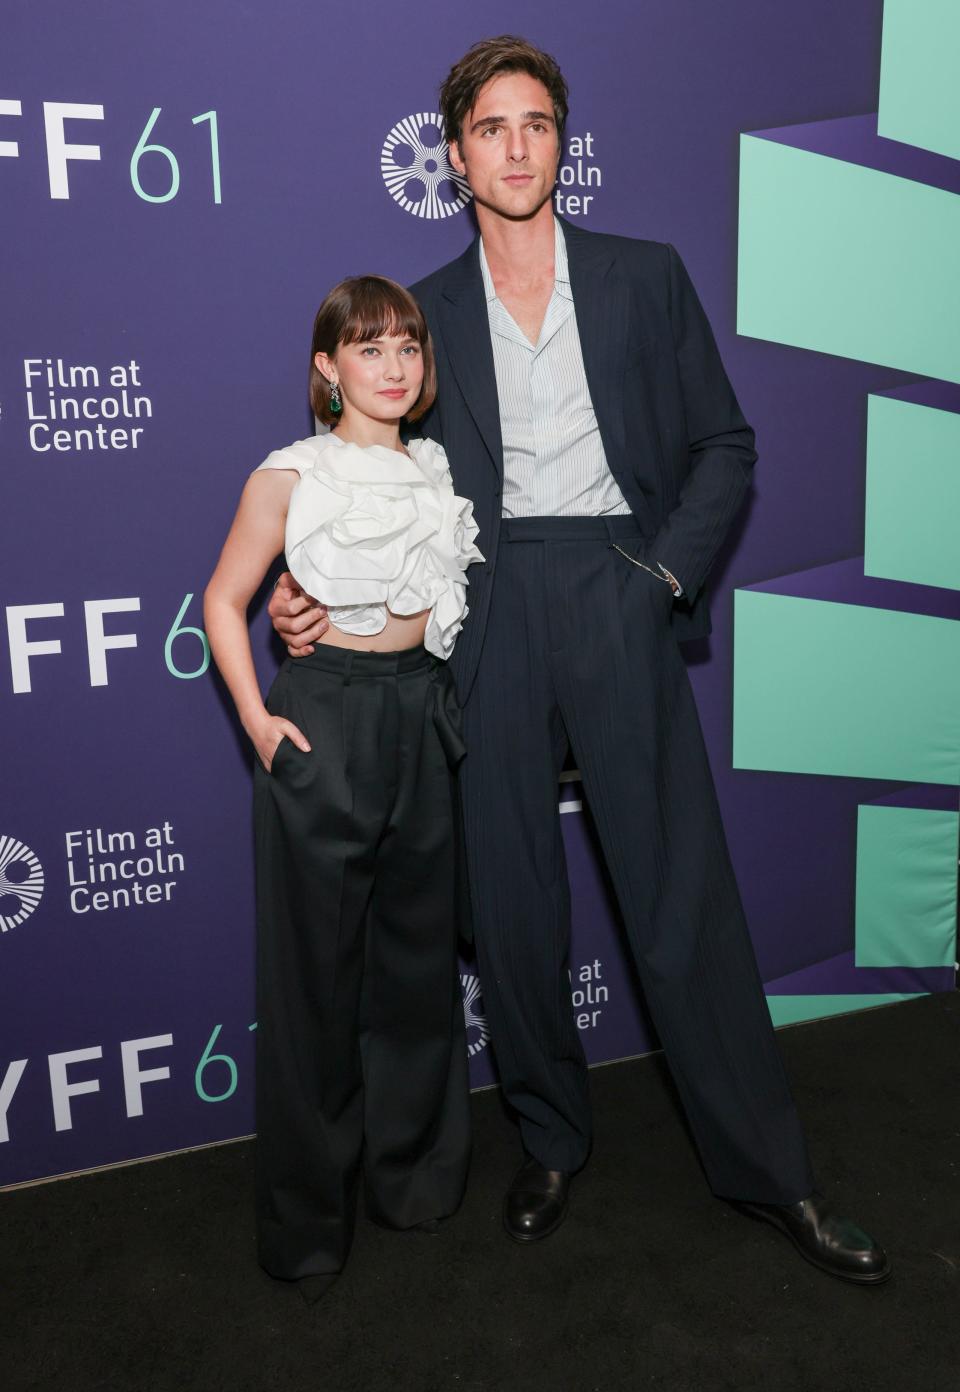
(579, 652)
(361, 1057)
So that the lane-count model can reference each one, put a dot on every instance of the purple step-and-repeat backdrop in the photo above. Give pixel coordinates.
(180, 188)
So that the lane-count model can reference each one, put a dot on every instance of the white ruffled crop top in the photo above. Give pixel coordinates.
(369, 529)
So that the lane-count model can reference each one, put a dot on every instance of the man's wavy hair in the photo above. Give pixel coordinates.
(488, 59)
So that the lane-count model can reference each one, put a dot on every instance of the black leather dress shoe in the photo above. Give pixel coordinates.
(829, 1241)
(536, 1202)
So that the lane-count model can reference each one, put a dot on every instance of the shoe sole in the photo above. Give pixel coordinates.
(313, 1288)
(424, 1229)
(873, 1278)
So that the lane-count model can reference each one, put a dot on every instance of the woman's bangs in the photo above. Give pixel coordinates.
(383, 313)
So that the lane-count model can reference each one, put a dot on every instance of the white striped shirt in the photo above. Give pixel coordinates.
(553, 459)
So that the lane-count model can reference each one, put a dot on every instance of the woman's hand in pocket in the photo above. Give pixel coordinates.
(268, 735)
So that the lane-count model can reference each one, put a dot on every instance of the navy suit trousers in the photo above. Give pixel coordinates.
(578, 653)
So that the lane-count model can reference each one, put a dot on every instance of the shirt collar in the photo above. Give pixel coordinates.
(561, 273)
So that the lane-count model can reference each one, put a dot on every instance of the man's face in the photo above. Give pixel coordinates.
(509, 147)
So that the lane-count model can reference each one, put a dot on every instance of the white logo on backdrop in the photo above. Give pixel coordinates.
(478, 1031)
(416, 169)
(21, 883)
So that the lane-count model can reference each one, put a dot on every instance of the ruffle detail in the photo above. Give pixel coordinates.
(369, 529)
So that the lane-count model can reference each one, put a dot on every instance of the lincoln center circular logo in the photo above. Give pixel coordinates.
(21, 883)
(478, 1031)
(416, 170)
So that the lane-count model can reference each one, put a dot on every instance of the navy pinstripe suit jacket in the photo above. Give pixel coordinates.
(672, 431)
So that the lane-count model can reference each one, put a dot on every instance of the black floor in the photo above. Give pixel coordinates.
(144, 1278)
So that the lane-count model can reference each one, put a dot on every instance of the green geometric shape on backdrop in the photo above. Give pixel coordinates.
(913, 492)
(919, 85)
(793, 1010)
(846, 260)
(845, 690)
(906, 887)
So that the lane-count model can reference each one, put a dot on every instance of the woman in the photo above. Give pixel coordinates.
(360, 1026)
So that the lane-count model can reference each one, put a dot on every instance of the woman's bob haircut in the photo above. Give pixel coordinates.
(357, 310)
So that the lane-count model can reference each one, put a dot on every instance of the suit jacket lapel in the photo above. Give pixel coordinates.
(602, 307)
(466, 338)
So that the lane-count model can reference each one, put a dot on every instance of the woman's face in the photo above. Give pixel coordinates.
(380, 378)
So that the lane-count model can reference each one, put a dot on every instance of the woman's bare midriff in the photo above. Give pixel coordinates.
(398, 633)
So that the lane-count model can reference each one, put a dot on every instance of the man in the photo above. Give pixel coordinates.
(584, 408)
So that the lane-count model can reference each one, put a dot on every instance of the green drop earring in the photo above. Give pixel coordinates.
(336, 405)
